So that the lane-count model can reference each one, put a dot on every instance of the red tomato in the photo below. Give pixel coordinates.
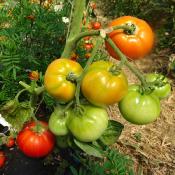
(134, 45)
(96, 25)
(88, 46)
(35, 143)
(2, 159)
(10, 142)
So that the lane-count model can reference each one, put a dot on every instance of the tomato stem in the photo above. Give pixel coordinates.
(76, 21)
(127, 63)
(90, 60)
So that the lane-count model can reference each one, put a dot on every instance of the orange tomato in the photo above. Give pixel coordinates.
(134, 45)
(102, 86)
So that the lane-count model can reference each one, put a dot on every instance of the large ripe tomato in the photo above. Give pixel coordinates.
(57, 123)
(2, 159)
(101, 86)
(36, 143)
(139, 108)
(136, 45)
(56, 82)
(90, 125)
(159, 91)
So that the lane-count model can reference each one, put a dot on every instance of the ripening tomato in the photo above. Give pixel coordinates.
(139, 108)
(96, 25)
(56, 80)
(10, 142)
(2, 159)
(159, 91)
(134, 45)
(102, 85)
(57, 122)
(90, 125)
(36, 141)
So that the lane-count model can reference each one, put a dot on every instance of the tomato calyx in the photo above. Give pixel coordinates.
(79, 110)
(115, 69)
(38, 128)
(71, 77)
(130, 29)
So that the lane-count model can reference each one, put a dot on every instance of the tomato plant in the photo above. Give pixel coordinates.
(57, 123)
(10, 142)
(2, 159)
(160, 90)
(135, 45)
(90, 125)
(36, 140)
(102, 86)
(139, 108)
(56, 79)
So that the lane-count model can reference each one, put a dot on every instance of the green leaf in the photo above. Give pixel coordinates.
(18, 117)
(112, 132)
(88, 148)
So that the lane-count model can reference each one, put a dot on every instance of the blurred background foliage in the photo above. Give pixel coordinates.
(32, 34)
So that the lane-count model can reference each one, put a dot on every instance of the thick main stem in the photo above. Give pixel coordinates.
(127, 63)
(79, 6)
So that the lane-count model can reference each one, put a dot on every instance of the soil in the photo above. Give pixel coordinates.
(19, 164)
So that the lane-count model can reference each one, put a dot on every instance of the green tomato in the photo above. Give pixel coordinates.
(139, 108)
(90, 125)
(57, 123)
(162, 91)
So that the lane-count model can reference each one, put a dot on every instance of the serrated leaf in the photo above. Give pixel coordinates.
(112, 133)
(88, 148)
(21, 115)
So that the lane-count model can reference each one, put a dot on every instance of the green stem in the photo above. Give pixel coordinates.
(90, 60)
(79, 6)
(71, 44)
(125, 61)
(31, 89)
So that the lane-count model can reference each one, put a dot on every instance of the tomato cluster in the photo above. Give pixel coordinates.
(101, 84)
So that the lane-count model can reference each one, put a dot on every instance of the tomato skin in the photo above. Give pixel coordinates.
(35, 144)
(163, 91)
(90, 125)
(11, 142)
(2, 159)
(102, 87)
(139, 108)
(57, 123)
(55, 79)
(134, 46)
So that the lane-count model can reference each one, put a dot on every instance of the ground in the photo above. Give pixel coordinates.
(151, 146)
